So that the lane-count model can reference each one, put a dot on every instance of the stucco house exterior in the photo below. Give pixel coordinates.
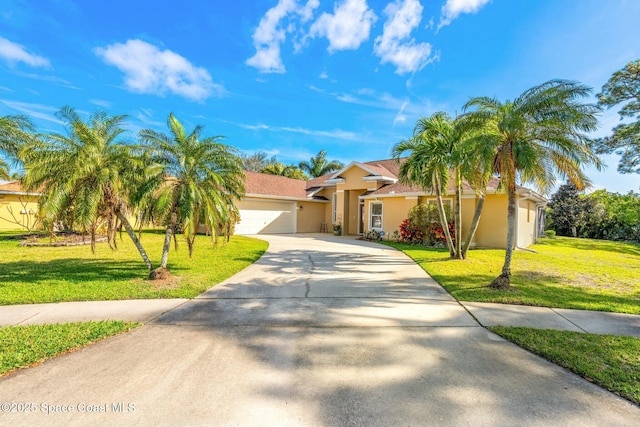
(17, 207)
(362, 196)
(365, 196)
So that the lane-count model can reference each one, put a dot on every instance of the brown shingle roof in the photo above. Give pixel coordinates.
(12, 187)
(274, 185)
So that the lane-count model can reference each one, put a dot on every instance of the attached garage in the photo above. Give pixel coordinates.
(266, 217)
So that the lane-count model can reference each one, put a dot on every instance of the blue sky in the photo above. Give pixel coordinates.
(293, 77)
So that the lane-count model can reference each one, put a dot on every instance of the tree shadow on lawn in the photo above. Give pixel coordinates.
(71, 270)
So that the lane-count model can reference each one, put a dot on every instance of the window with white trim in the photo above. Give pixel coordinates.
(375, 215)
(334, 207)
(444, 202)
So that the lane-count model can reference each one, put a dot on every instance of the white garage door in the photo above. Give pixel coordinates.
(266, 217)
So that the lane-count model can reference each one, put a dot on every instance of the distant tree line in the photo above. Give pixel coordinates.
(599, 215)
(317, 165)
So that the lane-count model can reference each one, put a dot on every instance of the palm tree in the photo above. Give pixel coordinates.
(85, 174)
(430, 159)
(533, 139)
(319, 165)
(4, 170)
(198, 181)
(15, 132)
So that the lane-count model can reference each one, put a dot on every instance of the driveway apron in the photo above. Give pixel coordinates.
(321, 331)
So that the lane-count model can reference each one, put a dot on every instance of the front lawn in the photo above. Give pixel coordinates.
(565, 273)
(610, 361)
(54, 274)
(23, 346)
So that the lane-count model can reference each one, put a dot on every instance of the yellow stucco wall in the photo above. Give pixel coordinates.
(354, 180)
(310, 216)
(394, 211)
(492, 229)
(17, 204)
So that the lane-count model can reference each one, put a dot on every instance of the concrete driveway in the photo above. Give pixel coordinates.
(321, 331)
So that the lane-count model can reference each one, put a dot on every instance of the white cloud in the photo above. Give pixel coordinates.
(149, 69)
(395, 45)
(348, 27)
(400, 117)
(14, 52)
(271, 33)
(333, 134)
(454, 8)
(101, 103)
(38, 111)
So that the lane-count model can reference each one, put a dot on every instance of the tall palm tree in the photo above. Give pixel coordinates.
(86, 174)
(318, 165)
(198, 181)
(534, 139)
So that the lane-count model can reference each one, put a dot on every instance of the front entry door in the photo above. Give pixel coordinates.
(361, 222)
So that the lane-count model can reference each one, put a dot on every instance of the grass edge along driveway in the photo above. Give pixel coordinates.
(30, 275)
(563, 272)
(612, 362)
(25, 346)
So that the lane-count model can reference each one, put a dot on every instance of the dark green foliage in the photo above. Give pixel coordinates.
(623, 87)
(613, 216)
(599, 215)
(568, 210)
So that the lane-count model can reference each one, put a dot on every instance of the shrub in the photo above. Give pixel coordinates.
(423, 226)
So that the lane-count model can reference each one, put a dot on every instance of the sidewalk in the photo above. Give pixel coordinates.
(562, 319)
(487, 314)
(143, 310)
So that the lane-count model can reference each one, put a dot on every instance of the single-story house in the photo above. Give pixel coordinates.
(17, 207)
(368, 196)
(360, 197)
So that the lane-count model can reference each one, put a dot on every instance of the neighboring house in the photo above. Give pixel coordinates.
(367, 196)
(18, 209)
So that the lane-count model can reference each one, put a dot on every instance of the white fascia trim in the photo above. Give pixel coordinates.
(18, 193)
(282, 198)
(380, 178)
(336, 181)
(313, 193)
(382, 196)
(532, 195)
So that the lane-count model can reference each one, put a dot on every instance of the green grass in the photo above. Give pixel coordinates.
(612, 362)
(54, 274)
(565, 272)
(23, 346)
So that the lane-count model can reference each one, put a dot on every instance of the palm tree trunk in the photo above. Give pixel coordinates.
(474, 225)
(443, 217)
(458, 216)
(504, 280)
(167, 239)
(135, 240)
